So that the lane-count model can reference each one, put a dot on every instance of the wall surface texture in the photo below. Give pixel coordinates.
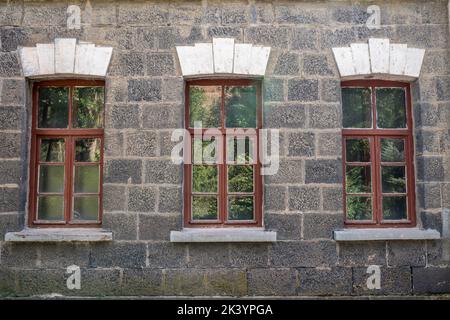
(143, 189)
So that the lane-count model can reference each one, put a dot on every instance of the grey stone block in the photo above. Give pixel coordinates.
(11, 117)
(173, 89)
(324, 282)
(336, 38)
(287, 226)
(271, 282)
(287, 64)
(9, 65)
(285, 116)
(226, 282)
(303, 90)
(10, 171)
(142, 144)
(7, 282)
(330, 90)
(9, 145)
(277, 37)
(165, 143)
(9, 199)
(129, 64)
(11, 13)
(301, 15)
(167, 255)
(350, 14)
(208, 255)
(404, 253)
(329, 144)
(325, 116)
(120, 254)
(225, 32)
(304, 39)
(162, 116)
(429, 195)
(232, 15)
(275, 198)
(162, 171)
(430, 169)
(435, 63)
(446, 195)
(394, 281)
(141, 282)
(142, 199)
(290, 171)
(273, 89)
(304, 198)
(9, 223)
(185, 282)
(427, 142)
(443, 88)
(113, 198)
(249, 255)
(144, 90)
(62, 255)
(422, 36)
(438, 252)
(323, 171)
(301, 144)
(157, 227)
(114, 142)
(303, 254)
(189, 13)
(33, 282)
(123, 225)
(97, 282)
(317, 64)
(13, 92)
(170, 200)
(121, 170)
(431, 280)
(125, 117)
(426, 114)
(431, 220)
(332, 199)
(159, 64)
(264, 12)
(362, 253)
(19, 255)
(317, 226)
(168, 37)
(142, 14)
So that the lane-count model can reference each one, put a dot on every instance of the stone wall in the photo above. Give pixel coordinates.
(143, 189)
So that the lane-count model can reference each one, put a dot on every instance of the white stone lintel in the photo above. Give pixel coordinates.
(386, 234)
(223, 235)
(59, 235)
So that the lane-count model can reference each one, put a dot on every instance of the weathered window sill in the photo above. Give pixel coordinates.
(386, 234)
(223, 235)
(59, 235)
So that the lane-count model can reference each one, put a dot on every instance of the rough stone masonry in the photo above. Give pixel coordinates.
(143, 194)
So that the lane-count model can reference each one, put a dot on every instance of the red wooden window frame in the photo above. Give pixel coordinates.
(69, 135)
(222, 167)
(375, 135)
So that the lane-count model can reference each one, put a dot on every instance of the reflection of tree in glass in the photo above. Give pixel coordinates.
(240, 178)
(357, 179)
(53, 107)
(204, 208)
(357, 150)
(204, 106)
(359, 208)
(392, 150)
(240, 104)
(393, 179)
(391, 112)
(88, 107)
(394, 208)
(357, 109)
(240, 208)
(204, 179)
(87, 150)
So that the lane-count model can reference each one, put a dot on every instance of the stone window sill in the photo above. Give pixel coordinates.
(386, 234)
(59, 235)
(223, 235)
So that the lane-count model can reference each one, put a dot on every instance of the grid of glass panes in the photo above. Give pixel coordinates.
(223, 172)
(376, 136)
(68, 134)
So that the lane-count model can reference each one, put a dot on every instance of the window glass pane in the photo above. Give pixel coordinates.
(53, 109)
(50, 208)
(391, 108)
(357, 110)
(392, 150)
(86, 179)
(357, 179)
(52, 150)
(204, 208)
(240, 178)
(393, 179)
(357, 150)
(205, 151)
(240, 208)
(51, 178)
(394, 208)
(359, 208)
(87, 150)
(204, 179)
(88, 103)
(204, 105)
(85, 208)
(240, 150)
(240, 107)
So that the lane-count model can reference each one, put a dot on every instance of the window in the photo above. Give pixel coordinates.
(67, 153)
(222, 180)
(378, 154)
